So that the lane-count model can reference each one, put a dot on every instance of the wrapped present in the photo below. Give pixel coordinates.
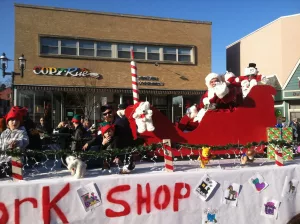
(273, 134)
(271, 151)
(287, 134)
(287, 154)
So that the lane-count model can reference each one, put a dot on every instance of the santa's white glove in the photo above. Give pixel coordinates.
(206, 101)
(221, 90)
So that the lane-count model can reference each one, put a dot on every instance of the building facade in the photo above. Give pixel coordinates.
(5, 100)
(78, 60)
(275, 48)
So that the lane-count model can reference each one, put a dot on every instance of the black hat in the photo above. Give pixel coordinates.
(252, 65)
(122, 106)
(106, 107)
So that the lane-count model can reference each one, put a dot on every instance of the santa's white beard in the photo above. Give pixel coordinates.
(210, 93)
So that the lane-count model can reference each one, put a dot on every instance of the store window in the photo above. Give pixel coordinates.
(86, 48)
(169, 54)
(139, 52)
(104, 50)
(124, 51)
(49, 46)
(153, 53)
(184, 54)
(68, 47)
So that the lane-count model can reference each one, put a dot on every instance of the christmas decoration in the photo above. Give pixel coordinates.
(168, 155)
(89, 196)
(270, 208)
(17, 165)
(205, 187)
(258, 183)
(75, 166)
(278, 156)
(287, 152)
(204, 157)
(135, 90)
(231, 193)
(248, 156)
(273, 133)
(290, 187)
(143, 117)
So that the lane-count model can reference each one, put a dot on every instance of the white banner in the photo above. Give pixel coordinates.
(157, 197)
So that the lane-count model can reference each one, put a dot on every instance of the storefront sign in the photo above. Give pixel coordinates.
(74, 72)
(149, 81)
(292, 94)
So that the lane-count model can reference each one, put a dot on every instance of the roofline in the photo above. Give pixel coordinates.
(291, 75)
(282, 17)
(112, 14)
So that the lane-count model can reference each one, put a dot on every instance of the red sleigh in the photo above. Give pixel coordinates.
(247, 123)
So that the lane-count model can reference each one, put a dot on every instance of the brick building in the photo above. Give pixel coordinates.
(78, 60)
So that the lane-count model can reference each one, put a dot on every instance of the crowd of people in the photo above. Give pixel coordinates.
(19, 131)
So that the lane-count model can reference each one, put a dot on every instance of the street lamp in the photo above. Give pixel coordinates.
(4, 65)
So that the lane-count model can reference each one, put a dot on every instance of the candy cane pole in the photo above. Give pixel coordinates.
(168, 155)
(135, 90)
(16, 165)
(278, 157)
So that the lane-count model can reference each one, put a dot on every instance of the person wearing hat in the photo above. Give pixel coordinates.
(121, 126)
(78, 135)
(15, 135)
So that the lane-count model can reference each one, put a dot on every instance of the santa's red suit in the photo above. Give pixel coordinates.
(222, 96)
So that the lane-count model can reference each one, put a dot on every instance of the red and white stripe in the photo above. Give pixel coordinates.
(17, 165)
(168, 155)
(278, 157)
(135, 90)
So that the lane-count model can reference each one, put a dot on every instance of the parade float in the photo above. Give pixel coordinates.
(249, 188)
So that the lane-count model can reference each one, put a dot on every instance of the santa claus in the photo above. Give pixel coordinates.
(218, 96)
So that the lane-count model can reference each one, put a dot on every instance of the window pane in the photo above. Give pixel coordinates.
(170, 57)
(170, 50)
(124, 47)
(86, 44)
(138, 55)
(153, 49)
(106, 54)
(49, 50)
(68, 43)
(186, 51)
(49, 42)
(138, 48)
(68, 51)
(186, 58)
(124, 54)
(87, 52)
(152, 56)
(103, 46)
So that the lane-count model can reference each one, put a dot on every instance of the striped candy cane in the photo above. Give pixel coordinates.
(135, 90)
(16, 164)
(168, 155)
(278, 157)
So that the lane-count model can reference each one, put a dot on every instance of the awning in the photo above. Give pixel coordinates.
(114, 90)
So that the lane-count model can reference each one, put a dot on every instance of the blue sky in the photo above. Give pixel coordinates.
(231, 19)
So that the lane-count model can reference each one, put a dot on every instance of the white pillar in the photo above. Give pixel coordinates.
(15, 97)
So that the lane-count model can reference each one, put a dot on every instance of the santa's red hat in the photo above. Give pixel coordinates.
(14, 113)
(209, 77)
